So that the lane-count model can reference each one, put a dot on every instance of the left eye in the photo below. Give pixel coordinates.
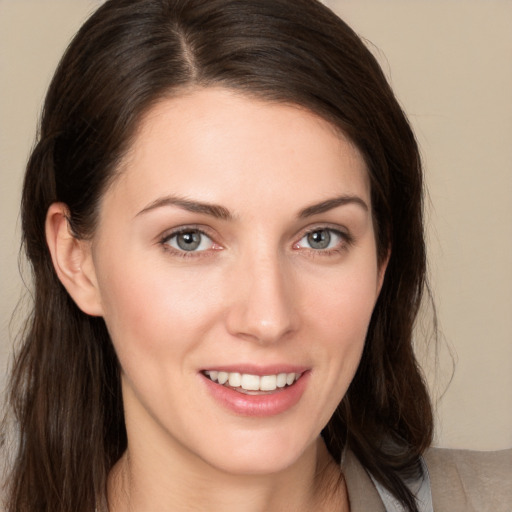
(191, 240)
(320, 239)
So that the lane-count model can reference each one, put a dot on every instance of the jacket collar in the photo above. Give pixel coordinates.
(362, 494)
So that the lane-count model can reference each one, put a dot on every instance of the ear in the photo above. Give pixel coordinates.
(381, 273)
(72, 259)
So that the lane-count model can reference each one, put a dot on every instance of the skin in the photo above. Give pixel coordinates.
(256, 291)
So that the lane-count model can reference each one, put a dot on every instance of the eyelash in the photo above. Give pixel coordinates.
(346, 240)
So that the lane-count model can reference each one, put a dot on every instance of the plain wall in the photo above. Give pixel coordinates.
(450, 64)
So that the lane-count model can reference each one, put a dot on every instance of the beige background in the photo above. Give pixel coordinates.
(450, 63)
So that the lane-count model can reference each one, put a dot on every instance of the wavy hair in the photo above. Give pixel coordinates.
(65, 383)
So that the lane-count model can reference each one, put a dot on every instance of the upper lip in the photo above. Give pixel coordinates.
(252, 369)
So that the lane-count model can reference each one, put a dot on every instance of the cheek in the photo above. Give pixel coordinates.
(337, 321)
(149, 309)
(345, 302)
(157, 320)
(339, 318)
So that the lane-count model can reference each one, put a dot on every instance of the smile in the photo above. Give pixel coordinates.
(249, 391)
(247, 382)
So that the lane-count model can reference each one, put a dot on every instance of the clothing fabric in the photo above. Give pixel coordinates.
(460, 481)
(420, 487)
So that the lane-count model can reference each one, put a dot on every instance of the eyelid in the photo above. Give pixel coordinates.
(343, 231)
(183, 229)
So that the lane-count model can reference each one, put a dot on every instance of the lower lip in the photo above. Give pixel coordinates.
(258, 405)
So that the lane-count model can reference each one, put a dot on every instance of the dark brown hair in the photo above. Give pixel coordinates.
(65, 389)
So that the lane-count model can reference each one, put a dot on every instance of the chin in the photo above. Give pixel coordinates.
(262, 455)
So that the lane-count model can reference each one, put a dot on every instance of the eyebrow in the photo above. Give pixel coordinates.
(330, 204)
(214, 210)
(220, 212)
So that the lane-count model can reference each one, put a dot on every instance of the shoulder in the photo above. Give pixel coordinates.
(461, 481)
(466, 481)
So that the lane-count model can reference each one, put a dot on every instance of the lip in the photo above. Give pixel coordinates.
(264, 405)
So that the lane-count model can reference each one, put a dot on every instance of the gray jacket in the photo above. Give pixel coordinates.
(459, 480)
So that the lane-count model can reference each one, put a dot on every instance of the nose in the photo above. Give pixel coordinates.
(262, 301)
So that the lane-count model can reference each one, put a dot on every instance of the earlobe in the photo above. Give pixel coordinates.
(72, 260)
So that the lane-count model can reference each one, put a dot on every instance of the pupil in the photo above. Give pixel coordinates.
(319, 239)
(189, 241)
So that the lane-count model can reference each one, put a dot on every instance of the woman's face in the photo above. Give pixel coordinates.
(237, 243)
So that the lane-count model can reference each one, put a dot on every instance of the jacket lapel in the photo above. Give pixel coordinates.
(362, 494)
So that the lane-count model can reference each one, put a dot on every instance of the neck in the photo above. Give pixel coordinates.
(314, 482)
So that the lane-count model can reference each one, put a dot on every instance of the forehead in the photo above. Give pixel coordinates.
(227, 148)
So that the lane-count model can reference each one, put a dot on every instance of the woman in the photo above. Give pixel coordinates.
(223, 215)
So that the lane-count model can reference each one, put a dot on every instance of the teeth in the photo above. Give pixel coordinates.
(235, 379)
(222, 377)
(250, 382)
(281, 380)
(290, 378)
(268, 382)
